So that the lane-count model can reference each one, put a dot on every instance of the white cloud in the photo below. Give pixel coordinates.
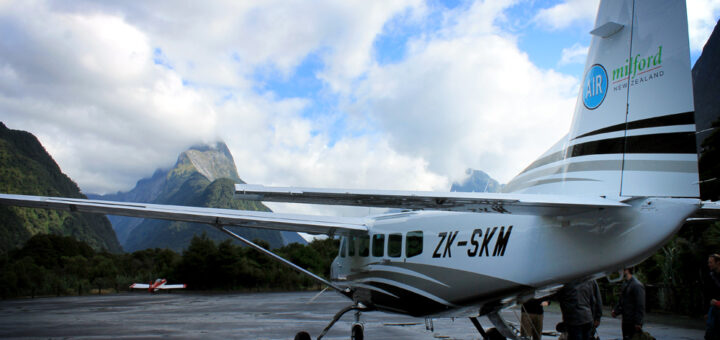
(80, 75)
(576, 54)
(468, 100)
(702, 18)
(88, 87)
(568, 13)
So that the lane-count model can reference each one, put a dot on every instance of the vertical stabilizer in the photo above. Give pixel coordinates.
(633, 132)
(660, 151)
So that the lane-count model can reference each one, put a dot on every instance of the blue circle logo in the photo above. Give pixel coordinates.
(594, 87)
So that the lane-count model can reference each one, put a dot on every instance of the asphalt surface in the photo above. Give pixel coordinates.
(255, 316)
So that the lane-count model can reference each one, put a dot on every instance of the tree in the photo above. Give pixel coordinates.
(102, 271)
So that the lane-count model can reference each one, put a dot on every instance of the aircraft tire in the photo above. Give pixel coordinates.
(303, 336)
(356, 332)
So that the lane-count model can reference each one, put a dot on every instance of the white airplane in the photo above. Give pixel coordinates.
(606, 196)
(153, 287)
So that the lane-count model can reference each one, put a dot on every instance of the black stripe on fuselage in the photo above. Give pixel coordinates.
(659, 143)
(676, 142)
(407, 302)
(662, 121)
(414, 304)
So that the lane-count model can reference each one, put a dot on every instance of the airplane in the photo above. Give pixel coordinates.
(606, 196)
(153, 287)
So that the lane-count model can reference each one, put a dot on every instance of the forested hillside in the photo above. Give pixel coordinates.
(58, 265)
(28, 169)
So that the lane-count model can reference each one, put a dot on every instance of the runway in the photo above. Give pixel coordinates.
(254, 316)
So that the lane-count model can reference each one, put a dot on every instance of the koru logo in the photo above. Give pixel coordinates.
(595, 87)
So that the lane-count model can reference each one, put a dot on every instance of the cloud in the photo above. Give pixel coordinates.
(115, 90)
(576, 54)
(237, 37)
(567, 13)
(90, 92)
(702, 18)
(468, 100)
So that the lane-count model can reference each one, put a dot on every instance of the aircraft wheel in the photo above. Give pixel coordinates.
(356, 332)
(303, 336)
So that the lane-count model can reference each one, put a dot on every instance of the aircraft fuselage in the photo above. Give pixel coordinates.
(470, 261)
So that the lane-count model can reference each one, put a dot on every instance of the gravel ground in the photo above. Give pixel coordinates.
(255, 316)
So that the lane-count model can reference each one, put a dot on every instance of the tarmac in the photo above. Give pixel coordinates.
(189, 315)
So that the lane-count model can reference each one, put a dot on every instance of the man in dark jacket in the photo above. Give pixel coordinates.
(712, 291)
(581, 307)
(631, 305)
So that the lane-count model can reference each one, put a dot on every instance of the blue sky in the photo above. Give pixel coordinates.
(402, 94)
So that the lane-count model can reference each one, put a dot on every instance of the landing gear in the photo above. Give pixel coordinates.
(303, 336)
(501, 330)
(356, 332)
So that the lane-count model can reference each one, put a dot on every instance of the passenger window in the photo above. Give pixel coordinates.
(343, 246)
(378, 245)
(413, 243)
(394, 245)
(351, 245)
(364, 245)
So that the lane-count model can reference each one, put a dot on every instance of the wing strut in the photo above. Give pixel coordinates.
(282, 260)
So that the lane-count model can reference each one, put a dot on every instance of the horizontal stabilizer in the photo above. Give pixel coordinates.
(177, 286)
(708, 211)
(212, 216)
(547, 205)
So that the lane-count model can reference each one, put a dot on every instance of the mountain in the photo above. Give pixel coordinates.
(203, 176)
(706, 88)
(706, 91)
(476, 181)
(28, 169)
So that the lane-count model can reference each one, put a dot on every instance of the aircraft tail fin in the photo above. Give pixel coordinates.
(633, 132)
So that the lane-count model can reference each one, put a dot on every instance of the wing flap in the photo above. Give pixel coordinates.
(253, 219)
(428, 200)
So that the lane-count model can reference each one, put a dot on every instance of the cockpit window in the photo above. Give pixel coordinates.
(351, 245)
(413, 243)
(378, 245)
(394, 245)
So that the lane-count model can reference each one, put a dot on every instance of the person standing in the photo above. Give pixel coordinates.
(712, 329)
(531, 320)
(631, 305)
(581, 307)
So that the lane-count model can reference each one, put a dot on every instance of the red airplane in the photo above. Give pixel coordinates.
(157, 285)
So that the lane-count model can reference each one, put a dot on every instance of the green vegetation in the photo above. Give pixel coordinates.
(60, 265)
(675, 276)
(28, 169)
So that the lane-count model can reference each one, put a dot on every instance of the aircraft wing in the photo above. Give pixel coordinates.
(428, 200)
(140, 286)
(224, 217)
(177, 286)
